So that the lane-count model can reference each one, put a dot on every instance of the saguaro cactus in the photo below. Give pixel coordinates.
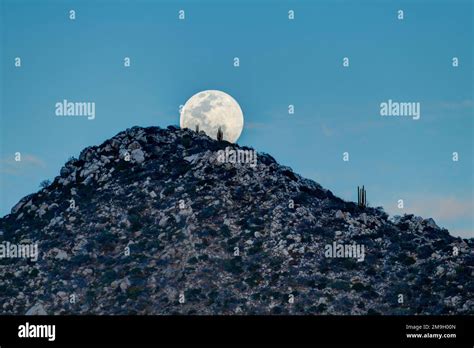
(220, 134)
(197, 128)
(361, 197)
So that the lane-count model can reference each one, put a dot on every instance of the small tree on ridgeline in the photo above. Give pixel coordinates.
(45, 183)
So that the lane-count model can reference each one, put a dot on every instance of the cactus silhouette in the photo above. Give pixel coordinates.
(220, 134)
(361, 197)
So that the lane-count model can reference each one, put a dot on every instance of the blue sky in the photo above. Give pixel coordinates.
(282, 62)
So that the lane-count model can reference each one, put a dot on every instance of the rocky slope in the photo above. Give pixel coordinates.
(174, 231)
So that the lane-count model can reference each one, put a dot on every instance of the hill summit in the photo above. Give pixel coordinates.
(164, 221)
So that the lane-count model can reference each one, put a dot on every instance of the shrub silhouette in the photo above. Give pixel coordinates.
(45, 183)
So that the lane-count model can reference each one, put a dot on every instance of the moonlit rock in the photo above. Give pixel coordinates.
(163, 221)
(61, 255)
(37, 309)
(138, 156)
(431, 223)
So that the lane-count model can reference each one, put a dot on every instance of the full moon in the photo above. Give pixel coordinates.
(211, 110)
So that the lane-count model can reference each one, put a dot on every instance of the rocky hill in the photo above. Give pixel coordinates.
(150, 222)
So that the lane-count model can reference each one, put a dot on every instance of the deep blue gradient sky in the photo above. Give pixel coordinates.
(282, 62)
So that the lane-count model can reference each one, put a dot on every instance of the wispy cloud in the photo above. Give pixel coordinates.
(446, 208)
(27, 163)
(457, 105)
(329, 132)
(449, 211)
(255, 125)
(436, 206)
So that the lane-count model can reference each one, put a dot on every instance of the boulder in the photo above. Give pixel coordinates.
(138, 156)
(37, 309)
